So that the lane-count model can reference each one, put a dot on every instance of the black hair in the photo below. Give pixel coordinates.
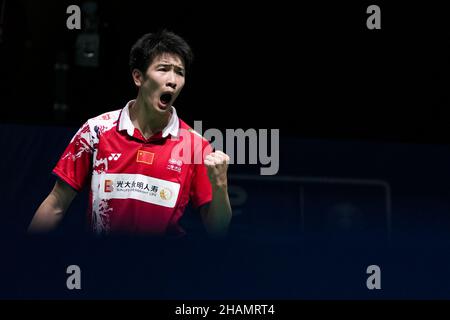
(152, 45)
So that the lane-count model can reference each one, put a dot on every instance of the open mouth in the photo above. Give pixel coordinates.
(165, 98)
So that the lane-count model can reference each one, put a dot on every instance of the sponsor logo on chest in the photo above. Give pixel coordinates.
(139, 187)
(174, 165)
(114, 156)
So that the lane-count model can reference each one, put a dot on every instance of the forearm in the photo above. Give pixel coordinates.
(47, 216)
(218, 216)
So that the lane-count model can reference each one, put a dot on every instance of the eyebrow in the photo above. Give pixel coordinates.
(170, 65)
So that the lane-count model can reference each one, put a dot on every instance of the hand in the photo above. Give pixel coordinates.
(217, 166)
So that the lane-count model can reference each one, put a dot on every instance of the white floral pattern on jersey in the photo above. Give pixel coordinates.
(100, 217)
(83, 143)
(100, 208)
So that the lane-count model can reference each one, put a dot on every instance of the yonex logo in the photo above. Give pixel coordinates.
(114, 156)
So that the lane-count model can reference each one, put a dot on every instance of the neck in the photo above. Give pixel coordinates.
(146, 119)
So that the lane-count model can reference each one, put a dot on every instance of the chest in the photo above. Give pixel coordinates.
(157, 159)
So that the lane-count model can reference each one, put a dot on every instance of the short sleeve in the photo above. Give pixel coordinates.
(74, 166)
(201, 189)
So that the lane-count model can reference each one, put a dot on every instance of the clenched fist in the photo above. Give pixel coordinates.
(217, 166)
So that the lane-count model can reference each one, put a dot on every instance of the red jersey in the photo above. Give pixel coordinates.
(138, 185)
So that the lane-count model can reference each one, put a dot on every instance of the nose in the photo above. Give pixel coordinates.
(172, 85)
(171, 81)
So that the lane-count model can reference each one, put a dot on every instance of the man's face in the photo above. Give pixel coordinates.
(162, 82)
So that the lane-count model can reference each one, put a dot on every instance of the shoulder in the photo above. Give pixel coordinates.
(104, 122)
(196, 139)
(186, 128)
(106, 118)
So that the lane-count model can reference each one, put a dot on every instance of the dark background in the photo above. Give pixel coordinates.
(312, 69)
(350, 103)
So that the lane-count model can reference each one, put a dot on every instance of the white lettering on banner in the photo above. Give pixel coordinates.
(139, 187)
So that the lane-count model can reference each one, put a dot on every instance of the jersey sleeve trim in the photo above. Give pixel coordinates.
(201, 203)
(66, 179)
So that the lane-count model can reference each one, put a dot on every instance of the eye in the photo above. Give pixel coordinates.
(179, 71)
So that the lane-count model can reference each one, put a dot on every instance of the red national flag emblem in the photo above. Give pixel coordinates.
(145, 157)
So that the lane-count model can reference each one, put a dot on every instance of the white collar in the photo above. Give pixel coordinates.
(126, 124)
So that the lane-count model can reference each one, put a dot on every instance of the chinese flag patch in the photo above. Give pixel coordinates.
(145, 157)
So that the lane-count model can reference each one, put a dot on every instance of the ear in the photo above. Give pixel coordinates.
(138, 78)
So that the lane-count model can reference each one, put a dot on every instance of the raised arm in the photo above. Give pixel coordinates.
(217, 214)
